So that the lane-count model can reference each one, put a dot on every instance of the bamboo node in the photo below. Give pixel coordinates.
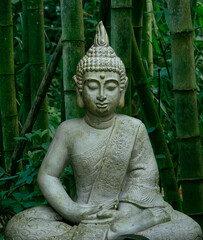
(121, 7)
(11, 116)
(184, 90)
(190, 179)
(187, 138)
(6, 25)
(7, 151)
(69, 90)
(70, 40)
(195, 214)
(7, 74)
(36, 63)
(182, 32)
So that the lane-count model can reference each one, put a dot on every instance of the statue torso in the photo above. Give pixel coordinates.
(86, 152)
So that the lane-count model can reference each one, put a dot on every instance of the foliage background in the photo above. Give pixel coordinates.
(24, 192)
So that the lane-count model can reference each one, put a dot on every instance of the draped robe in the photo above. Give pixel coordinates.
(120, 168)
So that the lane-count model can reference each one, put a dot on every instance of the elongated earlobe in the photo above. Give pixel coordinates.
(80, 102)
(121, 102)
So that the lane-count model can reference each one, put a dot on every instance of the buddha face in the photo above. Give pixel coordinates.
(101, 92)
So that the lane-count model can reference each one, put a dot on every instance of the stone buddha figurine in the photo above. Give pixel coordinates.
(116, 175)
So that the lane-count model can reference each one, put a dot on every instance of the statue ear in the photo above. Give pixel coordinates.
(80, 102)
(121, 102)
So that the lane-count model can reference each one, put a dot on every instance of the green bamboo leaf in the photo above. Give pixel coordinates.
(17, 196)
(43, 133)
(8, 178)
(30, 204)
(150, 130)
(3, 193)
(155, 43)
(21, 138)
(166, 16)
(2, 170)
(36, 151)
(158, 16)
(46, 145)
(29, 136)
(19, 41)
(92, 21)
(29, 179)
(160, 156)
(199, 9)
(163, 72)
(8, 202)
(17, 208)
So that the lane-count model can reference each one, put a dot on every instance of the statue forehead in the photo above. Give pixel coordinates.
(101, 75)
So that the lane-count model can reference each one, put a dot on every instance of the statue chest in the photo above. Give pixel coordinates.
(85, 161)
(87, 151)
(87, 154)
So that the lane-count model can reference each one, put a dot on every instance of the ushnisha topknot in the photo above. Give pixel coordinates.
(100, 57)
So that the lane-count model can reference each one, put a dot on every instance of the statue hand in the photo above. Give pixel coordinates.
(104, 216)
(114, 214)
(86, 211)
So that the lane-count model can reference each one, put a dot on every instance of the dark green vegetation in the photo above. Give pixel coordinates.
(184, 86)
(8, 106)
(152, 83)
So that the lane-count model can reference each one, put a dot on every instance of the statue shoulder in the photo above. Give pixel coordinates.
(129, 120)
(69, 127)
(71, 123)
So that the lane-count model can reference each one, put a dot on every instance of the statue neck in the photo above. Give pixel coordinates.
(99, 122)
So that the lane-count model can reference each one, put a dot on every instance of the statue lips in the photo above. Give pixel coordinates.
(101, 105)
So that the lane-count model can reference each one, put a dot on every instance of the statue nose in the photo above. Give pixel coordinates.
(101, 96)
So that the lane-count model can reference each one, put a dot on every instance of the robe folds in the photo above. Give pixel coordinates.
(120, 168)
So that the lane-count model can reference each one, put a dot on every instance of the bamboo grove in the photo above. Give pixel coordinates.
(138, 32)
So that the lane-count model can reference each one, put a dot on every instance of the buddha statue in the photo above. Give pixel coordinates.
(116, 175)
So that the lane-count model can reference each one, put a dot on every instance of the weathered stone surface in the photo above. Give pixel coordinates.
(117, 192)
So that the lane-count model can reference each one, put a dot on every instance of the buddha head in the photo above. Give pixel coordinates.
(100, 78)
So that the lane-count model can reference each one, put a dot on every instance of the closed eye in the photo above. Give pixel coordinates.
(92, 85)
(111, 86)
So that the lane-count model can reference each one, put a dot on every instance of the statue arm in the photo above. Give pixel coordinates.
(141, 184)
(51, 169)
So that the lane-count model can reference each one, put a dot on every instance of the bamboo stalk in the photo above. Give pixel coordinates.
(105, 15)
(26, 73)
(193, 4)
(121, 18)
(147, 48)
(37, 59)
(161, 46)
(104, 10)
(41, 94)
(73, 50)
(166, 170)
(137, 20)
(187, 128)
(63, 112)
(1, 144)
(8, 106)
